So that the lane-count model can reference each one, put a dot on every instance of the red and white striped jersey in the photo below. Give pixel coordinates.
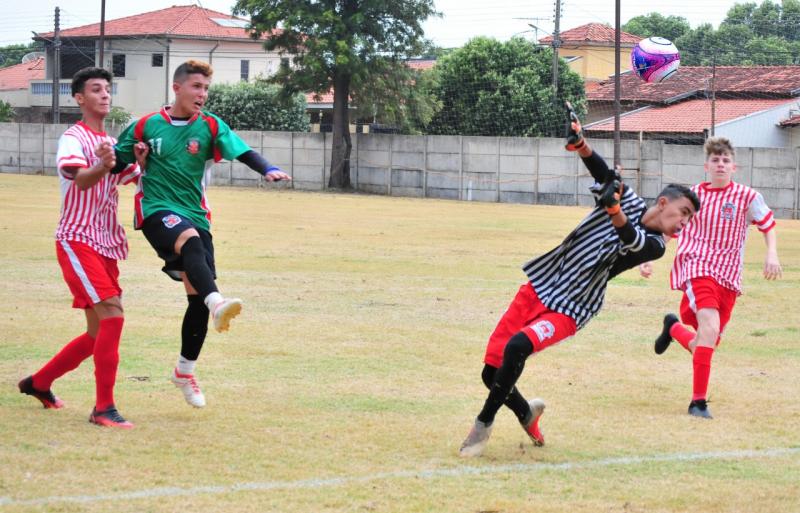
(90, 216)
(712, 244)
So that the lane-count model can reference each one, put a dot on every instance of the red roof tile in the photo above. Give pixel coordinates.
(771, 80)
(178, 20)
(792, 120)
(593, 33)
(20, 75)
(421, 64)
(692, 116)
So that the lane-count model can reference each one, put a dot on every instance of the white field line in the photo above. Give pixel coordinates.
(461, 471)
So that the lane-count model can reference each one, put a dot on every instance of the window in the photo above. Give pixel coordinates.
(230, 22)
(157, 60)
(244, 71)
(118, 65)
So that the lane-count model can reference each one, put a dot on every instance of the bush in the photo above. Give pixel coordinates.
(257, 106)
(118, 116)
(6, 112)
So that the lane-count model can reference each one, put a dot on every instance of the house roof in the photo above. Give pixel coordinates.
(421, 64)
(19, 75)
(689, 80)
(592, 33)
(178, 20)
(692, 116)
(792, 120)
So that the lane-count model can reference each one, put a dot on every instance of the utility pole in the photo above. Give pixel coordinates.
(102, 33)
(556, 44)
(713, 91)
(56, 69)
(617, 108)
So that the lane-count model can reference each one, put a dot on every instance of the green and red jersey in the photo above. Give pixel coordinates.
(178, 166)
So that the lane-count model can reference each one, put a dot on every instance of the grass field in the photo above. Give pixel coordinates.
(353, 374)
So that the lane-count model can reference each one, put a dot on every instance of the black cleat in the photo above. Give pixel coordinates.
(663, 341)
(47, 398)
(699, 408)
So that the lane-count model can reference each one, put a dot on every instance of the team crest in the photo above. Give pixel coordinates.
(171, 220)
(728, 211)
(193, 146)
(543, 330)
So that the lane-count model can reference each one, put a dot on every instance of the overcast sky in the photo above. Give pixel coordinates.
(461, 20)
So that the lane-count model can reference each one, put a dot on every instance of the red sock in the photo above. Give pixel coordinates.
(70, 356)
(682, 334)
(701, 361)
(106, 360)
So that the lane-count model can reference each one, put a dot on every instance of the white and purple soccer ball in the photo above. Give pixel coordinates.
(655, 59)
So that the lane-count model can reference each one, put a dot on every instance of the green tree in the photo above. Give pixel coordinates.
(655, 24)
(403, 99)
(338, 44)
(118, 116)
(12, 54)
(6, 112)
(496, 88)
(258, 106)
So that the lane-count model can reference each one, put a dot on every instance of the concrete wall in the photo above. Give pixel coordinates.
(494, 169)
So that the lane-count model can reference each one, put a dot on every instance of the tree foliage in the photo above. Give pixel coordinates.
(258, 106)
(655, 24)
(341, 45)
(6, 112)
(13, 54)
(497, 88)
(751, 34)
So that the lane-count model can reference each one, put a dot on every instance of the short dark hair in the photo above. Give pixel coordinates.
(189, 67)
(674, 191)
(80, 78)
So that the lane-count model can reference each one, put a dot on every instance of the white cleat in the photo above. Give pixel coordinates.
(476, 440)
(191, 390)
(224, 311)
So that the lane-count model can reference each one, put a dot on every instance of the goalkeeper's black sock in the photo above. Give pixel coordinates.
(195, 327)
(196, 267)
(516, 352)
(515, 401)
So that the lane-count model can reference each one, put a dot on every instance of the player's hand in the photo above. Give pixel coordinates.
(105, 152)
(772, 268)
(274, 174)
(141, 150)
(610, 193)
(646, 269)
(574, 130)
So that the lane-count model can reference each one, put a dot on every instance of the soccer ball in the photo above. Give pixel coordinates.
(655, 59)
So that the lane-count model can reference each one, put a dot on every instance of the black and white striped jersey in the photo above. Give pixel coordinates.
(571, 279)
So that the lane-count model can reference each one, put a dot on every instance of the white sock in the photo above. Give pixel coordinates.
(212, 299)
(185, 366)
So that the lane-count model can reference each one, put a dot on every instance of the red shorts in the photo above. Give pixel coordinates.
(705, 292)
(90, 276)
(527, 314)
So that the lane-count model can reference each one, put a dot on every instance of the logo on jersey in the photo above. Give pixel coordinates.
(193, 146)
(543, 330)
(728, 211)
(171, 220)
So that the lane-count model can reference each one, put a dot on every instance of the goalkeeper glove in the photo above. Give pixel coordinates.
(574, 130)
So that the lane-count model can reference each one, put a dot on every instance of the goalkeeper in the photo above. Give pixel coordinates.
(567, 285)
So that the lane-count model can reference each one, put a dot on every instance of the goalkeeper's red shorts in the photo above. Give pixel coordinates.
(526, 313)
(699, 293)
(90, 276)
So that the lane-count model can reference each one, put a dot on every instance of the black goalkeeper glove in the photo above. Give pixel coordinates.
(574, 130)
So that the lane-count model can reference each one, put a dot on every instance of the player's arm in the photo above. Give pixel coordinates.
(87, 177)
(575, 142)
(772, 266)
(260, 165)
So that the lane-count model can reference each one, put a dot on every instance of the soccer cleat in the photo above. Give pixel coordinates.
(476, 440)
(191, 390)
(531, 426)
(699, 408)
(224, 311)
(109, 417)
(47, 398)
(665, 339)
